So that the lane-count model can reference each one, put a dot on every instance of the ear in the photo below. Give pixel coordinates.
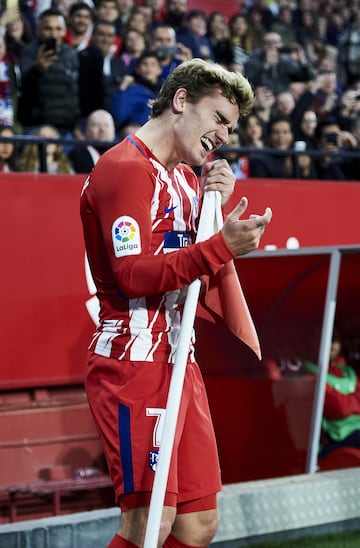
(179, 100)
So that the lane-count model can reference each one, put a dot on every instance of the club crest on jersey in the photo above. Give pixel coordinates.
(153, 458)
(125, 234)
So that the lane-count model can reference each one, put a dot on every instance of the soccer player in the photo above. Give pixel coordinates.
(139, 208)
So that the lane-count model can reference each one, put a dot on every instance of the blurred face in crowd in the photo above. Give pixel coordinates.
(103, 37)
(6, 149)
(52, 25)
(50, 133)
(80, 21)
(239, 25)
(125, 6)
(149, 68)
(285, 103)
(15, 28)
(281, 136)
(134, 42)
(107, 11)
(309, 122)
(163, 36)
(335, 349)
(138, 21)
(254, 128)
(100, 126)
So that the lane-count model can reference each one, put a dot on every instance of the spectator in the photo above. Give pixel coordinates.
(331, 140)
(284, 104)
(99, 127)
(326, 94)
(124, 9)
(219, 37)
(169, 52)
(264, 102)
(8, 151)
(196, 21)
(130, 104)
(175, 16)
(306, 131)
(349, 52)
(340, 425)
(9, 88)
(269, 67)
(108, 10)
(252, 132)
(49, 77)
(263, 13)
(79, 25)
(283, 26)
(134, 45)
(244, 39)
(348, 108)
(56, 159)
(239, 163)
(113, 67)
(281, 166)
(18, 33)
(158, 10)
(137, 21)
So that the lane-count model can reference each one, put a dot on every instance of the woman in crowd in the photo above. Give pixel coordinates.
(56, 159)
(8, 151)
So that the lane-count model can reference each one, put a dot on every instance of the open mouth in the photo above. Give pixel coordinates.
(207, 145)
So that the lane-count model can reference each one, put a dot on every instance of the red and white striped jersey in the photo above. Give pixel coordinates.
(139, 222)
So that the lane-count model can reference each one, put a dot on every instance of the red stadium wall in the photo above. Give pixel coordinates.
(262, 424)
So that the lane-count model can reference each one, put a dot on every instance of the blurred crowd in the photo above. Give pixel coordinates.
(87, 69)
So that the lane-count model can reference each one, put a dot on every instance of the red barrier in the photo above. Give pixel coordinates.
(45, 326)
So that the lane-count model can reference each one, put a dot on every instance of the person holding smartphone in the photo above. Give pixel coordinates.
(49, 77)
(332, 140)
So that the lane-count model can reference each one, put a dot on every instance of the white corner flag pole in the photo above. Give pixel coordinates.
(210, 221)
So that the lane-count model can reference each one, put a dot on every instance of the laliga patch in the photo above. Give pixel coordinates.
(176, 239)
(125, 234)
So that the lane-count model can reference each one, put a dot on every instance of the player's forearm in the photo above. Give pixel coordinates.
(143, 275)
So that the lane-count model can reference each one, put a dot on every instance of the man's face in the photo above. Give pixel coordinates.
(103, 38)
(163, 37)
(80, 21)
(52, 25)
(203, 127)
(100, 127)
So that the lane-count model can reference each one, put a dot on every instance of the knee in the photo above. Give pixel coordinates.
(166, 524)
(209, 527)
(196, 528)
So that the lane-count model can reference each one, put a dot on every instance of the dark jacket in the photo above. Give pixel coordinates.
(51, 96)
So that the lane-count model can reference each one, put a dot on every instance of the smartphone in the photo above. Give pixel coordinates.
(331, 138)
(166, 51)
(50, 43)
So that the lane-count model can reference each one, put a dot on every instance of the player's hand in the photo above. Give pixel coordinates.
(243, 235)
(218, 175)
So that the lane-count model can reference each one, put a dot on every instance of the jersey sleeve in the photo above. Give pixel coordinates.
(131, 195)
